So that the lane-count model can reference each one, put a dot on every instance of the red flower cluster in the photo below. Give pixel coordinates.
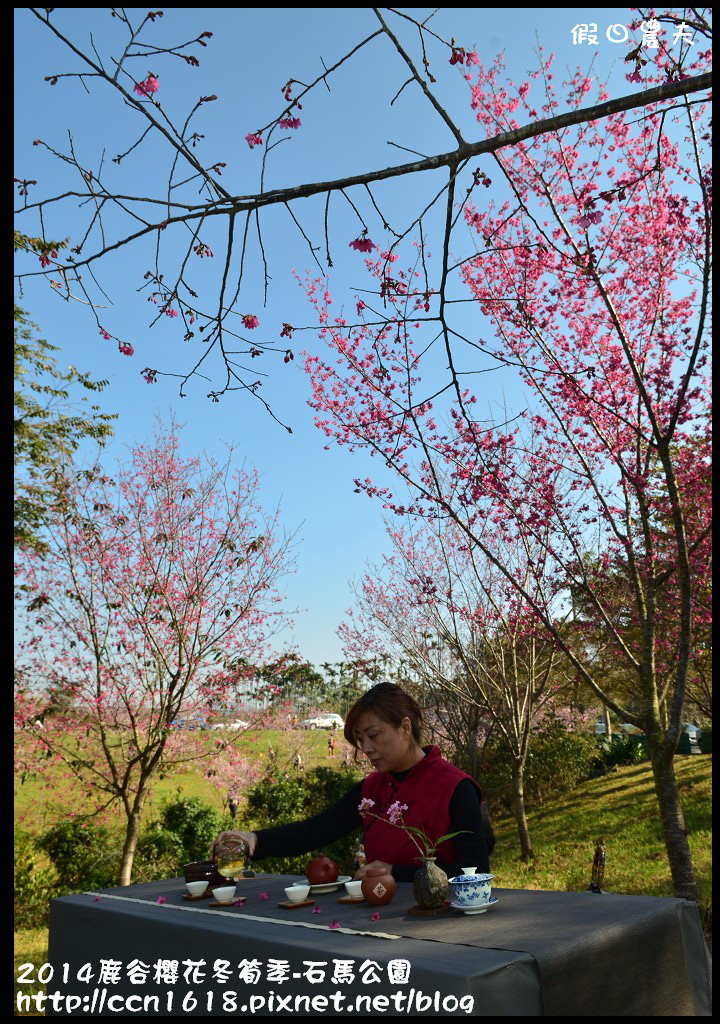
(460, 56)
(363, 244)
(250, 321)
(45, 259)
(253, 140)
(149, 86)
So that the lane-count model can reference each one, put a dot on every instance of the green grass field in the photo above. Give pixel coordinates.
(620, 807)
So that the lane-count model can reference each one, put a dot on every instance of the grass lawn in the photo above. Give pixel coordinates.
(620, 807)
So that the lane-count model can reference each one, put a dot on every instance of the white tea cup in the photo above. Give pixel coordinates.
(196, 888)
(469, 871)
(224, 893)
(296, 893)
(354, 888)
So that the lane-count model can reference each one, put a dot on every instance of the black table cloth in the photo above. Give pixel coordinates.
(532, 954)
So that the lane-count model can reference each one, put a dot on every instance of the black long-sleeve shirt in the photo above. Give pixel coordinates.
(343, 817)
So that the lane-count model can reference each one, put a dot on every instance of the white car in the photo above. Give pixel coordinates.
(331, 721)
(235, 726)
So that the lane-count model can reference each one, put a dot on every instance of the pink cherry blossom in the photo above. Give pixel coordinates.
(362, 244)
(263, 896)
(287, 330)
(171, 312)
(253, 140)
(149, 86)
(334, 924)
(317, 910)
(126, 349)
(250, 321)
(45, 260)
(289, 122)
(104, 334)
(161, 899)
(375, 916)
(472, 58)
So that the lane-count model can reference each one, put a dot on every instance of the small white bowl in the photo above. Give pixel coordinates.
(295, 893)
(224, 893)
(469, 871)
(196, 888)
(354, 888)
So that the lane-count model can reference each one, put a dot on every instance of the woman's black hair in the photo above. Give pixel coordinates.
(389, 702)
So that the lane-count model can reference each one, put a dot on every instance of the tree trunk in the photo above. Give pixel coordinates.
(526, 850)
(606, 720)
(673, 822)
(132, 832)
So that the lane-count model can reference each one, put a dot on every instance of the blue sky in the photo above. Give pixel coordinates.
(252, 53)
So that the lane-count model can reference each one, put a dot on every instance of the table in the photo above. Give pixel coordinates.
(532, 954)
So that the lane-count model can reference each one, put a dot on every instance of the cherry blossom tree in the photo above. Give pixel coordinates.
(156, 588)
(470, 639)
(592, 282)
(200, 227)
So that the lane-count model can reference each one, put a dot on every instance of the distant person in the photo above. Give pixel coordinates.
(297, 761)
(332, 743)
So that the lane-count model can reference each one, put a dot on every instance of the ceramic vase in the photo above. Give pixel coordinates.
(430, 885)
(378, 887)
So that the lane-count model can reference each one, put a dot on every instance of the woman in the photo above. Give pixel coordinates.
(385, 725)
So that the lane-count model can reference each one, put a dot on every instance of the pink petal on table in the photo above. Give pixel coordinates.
(240, 902)
(317, 910)
(161, 899)
(375, 916)
(334, 924)
(96, 899)
(263, 896)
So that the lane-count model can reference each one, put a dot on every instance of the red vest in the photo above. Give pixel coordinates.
(426, 789)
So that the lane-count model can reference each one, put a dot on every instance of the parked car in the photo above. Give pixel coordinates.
(330, 721)
(692, 731)
(235, 725)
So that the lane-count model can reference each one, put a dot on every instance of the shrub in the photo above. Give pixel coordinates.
(614, 751)
(159, 854)
(85, 855)
(34, 886)
(556, 761)
(194, 823)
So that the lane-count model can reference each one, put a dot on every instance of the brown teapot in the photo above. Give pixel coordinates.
(322, 870)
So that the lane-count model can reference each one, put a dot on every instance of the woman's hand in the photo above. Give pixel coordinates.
(249, 838)
(361, 872)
